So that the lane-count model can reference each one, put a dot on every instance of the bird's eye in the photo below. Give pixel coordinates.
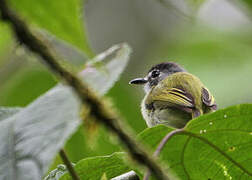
(155, 73)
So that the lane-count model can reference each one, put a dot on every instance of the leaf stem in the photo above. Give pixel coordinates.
(68, 164)
(98, 108)
(165, 140)
(161, 146)
(216, 148)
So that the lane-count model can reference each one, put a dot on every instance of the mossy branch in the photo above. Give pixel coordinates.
(98, 108)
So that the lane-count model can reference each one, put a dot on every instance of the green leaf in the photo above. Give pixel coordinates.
(95, 167)
(213, 146)
(31, 137)
(61, 18)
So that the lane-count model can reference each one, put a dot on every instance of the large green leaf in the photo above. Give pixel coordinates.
(94, 167)
(61, 18)
(31, 137)
(213, 146)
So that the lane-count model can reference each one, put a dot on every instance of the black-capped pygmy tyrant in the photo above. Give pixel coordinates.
(173, 96)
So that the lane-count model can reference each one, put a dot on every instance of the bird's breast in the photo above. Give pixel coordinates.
(156, 113)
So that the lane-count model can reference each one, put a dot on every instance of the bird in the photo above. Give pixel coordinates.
(173, 96)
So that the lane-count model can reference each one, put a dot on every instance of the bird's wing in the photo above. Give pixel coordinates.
(174, 96)
(208, 99)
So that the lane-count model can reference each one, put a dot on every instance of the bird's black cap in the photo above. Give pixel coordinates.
(170, 67)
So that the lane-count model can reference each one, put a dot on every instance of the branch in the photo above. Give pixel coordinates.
(68, 165)
(161, 146)
(98, 108)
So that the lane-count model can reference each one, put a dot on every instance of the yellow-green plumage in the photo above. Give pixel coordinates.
(177, 99)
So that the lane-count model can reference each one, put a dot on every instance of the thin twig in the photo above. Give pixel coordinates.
(161, 146)
(98, 108)
(68, 164)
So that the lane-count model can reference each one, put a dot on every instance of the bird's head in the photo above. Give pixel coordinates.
(156, 74)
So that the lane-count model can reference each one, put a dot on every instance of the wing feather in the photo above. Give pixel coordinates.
(208, 99)
(175, 96)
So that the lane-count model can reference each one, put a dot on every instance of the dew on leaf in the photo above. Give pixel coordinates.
(203, 131)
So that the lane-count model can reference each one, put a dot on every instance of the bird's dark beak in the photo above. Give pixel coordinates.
(138, 81)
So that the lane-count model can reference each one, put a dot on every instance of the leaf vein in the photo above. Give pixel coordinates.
(217, 149)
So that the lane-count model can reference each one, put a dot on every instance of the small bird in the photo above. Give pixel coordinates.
(173, 96)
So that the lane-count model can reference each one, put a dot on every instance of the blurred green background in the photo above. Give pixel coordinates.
(211, 40)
